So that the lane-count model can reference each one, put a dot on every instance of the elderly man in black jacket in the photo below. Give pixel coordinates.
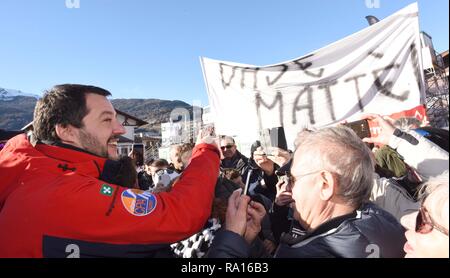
(331, 181)
(232, 158)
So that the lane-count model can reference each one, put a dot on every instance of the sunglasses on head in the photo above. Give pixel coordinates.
(226, 147)
(425, 224)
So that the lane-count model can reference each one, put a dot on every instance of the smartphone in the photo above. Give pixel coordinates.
(138, 152)
(247, 183)
(209, 129)
(274, 137)
(278, 138)
(361, 128)
(256, 197)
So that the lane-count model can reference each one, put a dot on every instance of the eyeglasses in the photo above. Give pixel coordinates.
(425, 224)
(226, 147)
(293, 179)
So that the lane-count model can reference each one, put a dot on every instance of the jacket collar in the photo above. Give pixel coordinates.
(72, 158)
(233, 161)
(325, 228)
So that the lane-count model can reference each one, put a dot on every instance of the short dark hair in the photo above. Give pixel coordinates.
(149, 161)
(63, 104)
(160, 163)
(225, 137)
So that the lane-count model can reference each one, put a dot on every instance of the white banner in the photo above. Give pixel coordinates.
(378, 69)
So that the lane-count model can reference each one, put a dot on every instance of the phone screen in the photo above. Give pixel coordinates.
(138, 151)
(247, 183)
(361, 128)
(208, 129)
(274, 137)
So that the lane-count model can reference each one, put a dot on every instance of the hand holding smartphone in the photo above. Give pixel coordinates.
(362, 129)
(207, 135)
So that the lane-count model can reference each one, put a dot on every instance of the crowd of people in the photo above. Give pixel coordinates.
(330, 197)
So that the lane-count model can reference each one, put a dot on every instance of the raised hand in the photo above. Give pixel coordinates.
(279, 156)
(284, 195)
(255, 214)
(263, 162)
(208, 136)
(386, 130)
(236, 217)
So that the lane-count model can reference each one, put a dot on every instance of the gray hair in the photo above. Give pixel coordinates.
(438, 186)
(300, 135)
(339, 150)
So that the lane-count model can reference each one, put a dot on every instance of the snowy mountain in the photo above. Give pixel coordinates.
(17, 108)
(8, 94)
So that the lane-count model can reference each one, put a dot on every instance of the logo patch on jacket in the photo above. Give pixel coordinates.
(138, 202)
(106, 190)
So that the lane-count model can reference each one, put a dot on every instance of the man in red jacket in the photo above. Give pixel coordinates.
(69, 195)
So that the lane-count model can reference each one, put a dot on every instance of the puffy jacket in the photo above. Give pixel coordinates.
(370, 232)
(422, 154)
(53, 204)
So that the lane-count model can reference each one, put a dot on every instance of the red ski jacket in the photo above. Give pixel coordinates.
(53, 204)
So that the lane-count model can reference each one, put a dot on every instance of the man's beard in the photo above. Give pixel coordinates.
(91, 144)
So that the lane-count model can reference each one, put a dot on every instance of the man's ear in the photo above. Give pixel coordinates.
(328, 187)
(65, 133)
